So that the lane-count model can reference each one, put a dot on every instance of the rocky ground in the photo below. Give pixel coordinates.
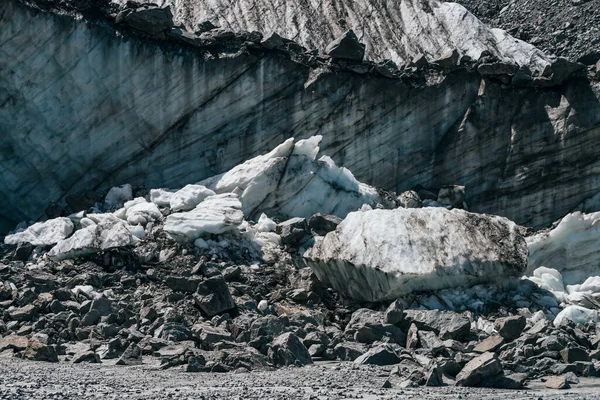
(566, 28)
(27, 380)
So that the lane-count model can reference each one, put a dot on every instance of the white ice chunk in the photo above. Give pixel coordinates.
(384, 254)
(189, 197)
(161, 197)
(591, 284)
(142, 213)
(265, 224)
(571, 248)
(118, 195)
(43, 233)
(85, 222)
(577, 314)
(288, 182)
(215, 215)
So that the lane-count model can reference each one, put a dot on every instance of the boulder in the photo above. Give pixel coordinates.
(347, 47)
(394, 313)
(183, 283)
(510, 328)
(292, 231)
(43, 233)
(212, 296)
(478, 369)
(287, 349)
(385, 354)
(453, 196)
(37, 351)
(491, 343)
(322, 224)
(274, 41)
(380, 255)
(349, 351)
(131, 356)
(447, 324)
(367, 326)
(24, 313)
(557, 382)
(571, 355)
(409, 199)
(448, 60)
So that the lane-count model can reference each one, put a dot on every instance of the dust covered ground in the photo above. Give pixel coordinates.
(29, 380)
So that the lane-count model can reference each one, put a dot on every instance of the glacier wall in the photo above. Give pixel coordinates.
(83, 107)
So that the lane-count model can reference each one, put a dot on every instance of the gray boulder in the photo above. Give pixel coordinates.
(478, 369)
(287, 349)
(385, 354)
(212, 296)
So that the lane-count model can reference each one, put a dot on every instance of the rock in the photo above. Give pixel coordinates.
(287, 349)
(292, 231)
(497, 69)
(385, 354)
(321, 224)
(430, 341)
(204, 26)
(38, 351)
(557, 382)
(394, 313)
(389, 253)
(510, 381)
(91, 318)
(131, 356)
(215, 215)
(187, 284)
(23, 251)
(453, 196)
(43, 233)
(103, 305)
(410, 199)
(434, 377)
(274, 41)
(196, 364)
(412, 337)
(24, 313)
(269, 326)
(368, 327)
(448, 60)
(174, 332)
(598, 69)
(150, 20)
(15, 343)
(346, 46)
(573, 354)
(478, 369)
(447, 324)
(491, 343)
(349, 351)
(212, 296)
(86, 356)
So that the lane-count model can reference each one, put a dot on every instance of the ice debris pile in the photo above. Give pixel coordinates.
(213, 277)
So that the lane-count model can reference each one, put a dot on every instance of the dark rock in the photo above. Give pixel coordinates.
(204, 26)
(232, 273)
(511, 328)
(557, 382)
(491, 343)
(448, 60)
(433, 377)
(349, 351)
(384, 354)
(386, 68)
(23, 251)
(209, 335)
(91, 318)
(478, 369)
(430, 341)
(15, 343)
(175, 332)
(37, 351)
(386, 384)
(196, 364)
(212, 296)
(272, 42)
(347, 47)
(572, 354)
(447, 324)
(453, 195)
(24, 313)
(86, 356)
(511, 381)
(562, 69)
(269, 326)
(292, 231)
(131, 356)
(394, 313)
(287, 349)
(187, 284)
(410, 199)
(150, 20)
(102, 305)
(419, 61)
(498, 68)
(321, 224)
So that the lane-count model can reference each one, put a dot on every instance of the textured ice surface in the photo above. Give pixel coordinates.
(289, 182)
(189, 197)
(43, 233)
(572, 248)
(215, 215)
(577, 314)
(383, 254)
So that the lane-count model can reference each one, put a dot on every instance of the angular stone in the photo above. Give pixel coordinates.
(573, 354)
(213, 297)
(491, 343)
(510, 328)
(287, 349)
(321, 224)
(292, 231)
(557, 382)
(394, 313)
(430, 341)
(434, 377)
(448, 60)
(86, 356)
(274, 41)
(412, 337)
(150, 20)
(478, 369)
(131, 356)
(447, 324)
(24, 313)
(187, 284)
(385, 354)
(346, 46)
(349, 351)
(38, 351)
